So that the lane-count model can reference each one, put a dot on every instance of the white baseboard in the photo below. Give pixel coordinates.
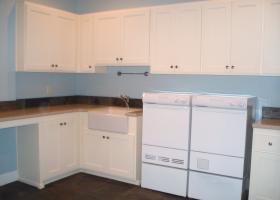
(8, 178)
(32, 183)
(129, 181)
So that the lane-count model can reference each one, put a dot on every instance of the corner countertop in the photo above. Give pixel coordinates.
(273, 124)
(18, 114)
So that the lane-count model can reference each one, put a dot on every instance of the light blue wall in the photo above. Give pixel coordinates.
(33, 85)
(7, 76)
(24, 85)
(267, 89)
(8, 161)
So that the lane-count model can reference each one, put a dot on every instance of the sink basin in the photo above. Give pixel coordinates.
(112, 119)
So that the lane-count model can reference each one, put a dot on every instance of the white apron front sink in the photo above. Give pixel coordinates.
(112, 119)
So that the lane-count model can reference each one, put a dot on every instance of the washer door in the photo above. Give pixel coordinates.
(166, 126)
(219, 131)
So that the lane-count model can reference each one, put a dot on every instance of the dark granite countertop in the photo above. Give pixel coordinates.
(24, 113)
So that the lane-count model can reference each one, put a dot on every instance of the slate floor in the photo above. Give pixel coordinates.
(82, 187)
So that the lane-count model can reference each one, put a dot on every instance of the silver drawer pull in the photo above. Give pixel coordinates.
(270, 143)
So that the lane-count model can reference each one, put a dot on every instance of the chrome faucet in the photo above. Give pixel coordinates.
(125, 99)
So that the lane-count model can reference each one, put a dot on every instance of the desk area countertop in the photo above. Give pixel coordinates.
(273, 124)
(26, 113)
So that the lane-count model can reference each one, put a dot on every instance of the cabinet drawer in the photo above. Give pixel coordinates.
(267, 141)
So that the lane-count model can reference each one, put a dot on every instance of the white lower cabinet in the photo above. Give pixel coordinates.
(265, 177)
(56, 146)
(59, 142)
(109, 153)
(112, 154)
(121, 155)
(94, 151)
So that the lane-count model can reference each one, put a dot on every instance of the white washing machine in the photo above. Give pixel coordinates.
(221, 139)
(165, 142)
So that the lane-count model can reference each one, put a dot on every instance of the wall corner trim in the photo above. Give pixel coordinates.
(8, 177)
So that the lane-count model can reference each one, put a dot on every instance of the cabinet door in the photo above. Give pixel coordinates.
(95, 152)
(108, 39)
(265, 177)
(162, 40)
(50, 148)
(136, 34)
(121, 155)
(246, 36)
(38, 38)
(271, 57)
(216, 37)
(187, 39)
(69, 142)
(65, 43)
(86, 61)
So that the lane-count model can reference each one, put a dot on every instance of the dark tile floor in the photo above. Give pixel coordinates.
(82, 187)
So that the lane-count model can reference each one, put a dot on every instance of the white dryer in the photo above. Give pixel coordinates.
(221, 137)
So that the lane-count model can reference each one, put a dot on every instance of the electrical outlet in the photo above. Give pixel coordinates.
(49, 90)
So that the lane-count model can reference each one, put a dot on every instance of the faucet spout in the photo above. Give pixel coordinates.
(125, 99)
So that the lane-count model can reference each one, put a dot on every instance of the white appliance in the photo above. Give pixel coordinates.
(165, 142)
(221, 138)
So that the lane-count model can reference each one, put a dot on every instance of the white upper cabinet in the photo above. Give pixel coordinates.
(161, 42)
(271, 46)
(226, 37)
(232, 34)
(187, 41)
(216, 37)
(108, 38)
(38, 40)
(86, 56)
(122, 38)
(246, 36)
(65, 41)
(136, 37)
(46, 39)
(176, 39)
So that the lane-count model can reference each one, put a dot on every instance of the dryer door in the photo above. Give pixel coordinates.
(219, 131)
